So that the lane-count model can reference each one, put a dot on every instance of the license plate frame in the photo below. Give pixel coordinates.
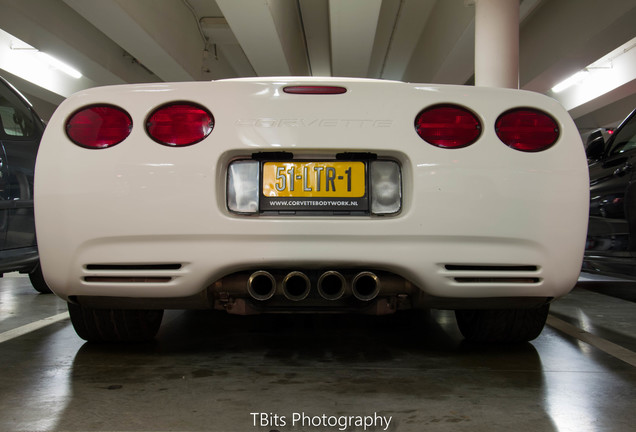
(318, 186)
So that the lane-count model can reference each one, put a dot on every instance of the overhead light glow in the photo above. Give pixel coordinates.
(607, 78)
(569, 82)
(59, 65)
(28, 63)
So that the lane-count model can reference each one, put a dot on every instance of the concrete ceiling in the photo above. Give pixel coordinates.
(130, 41)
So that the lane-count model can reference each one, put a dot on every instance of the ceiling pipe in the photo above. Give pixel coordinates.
(496, 43)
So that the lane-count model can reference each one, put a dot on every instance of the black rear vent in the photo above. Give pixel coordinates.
(136, 279)
(491, 280)
(493, 274)
(513, 268)
(132, 273)
(133, 267)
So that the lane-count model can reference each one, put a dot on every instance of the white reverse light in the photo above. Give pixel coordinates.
(386, 187)
(243, 186)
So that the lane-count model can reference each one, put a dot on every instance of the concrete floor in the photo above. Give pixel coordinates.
(214, 372)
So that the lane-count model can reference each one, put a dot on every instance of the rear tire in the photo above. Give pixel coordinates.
(502, 325)
(37, 280)
(115, 325)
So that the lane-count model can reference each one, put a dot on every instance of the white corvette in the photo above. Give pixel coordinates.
(310, 195)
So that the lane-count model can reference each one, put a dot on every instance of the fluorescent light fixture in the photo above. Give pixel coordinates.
(59, 65)
(569, 82)
(603, 78)
(25, 61)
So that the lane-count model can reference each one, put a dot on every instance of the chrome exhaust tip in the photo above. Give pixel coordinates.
(331, 285)
(365, 286)
(261, 285)
(296, 286)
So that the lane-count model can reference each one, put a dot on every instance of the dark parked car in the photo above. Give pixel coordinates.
(20, 133)
(611, 238)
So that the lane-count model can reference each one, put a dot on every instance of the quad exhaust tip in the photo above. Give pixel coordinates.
(261, 285)
(331, 285)
(365, 286)
(296, 286)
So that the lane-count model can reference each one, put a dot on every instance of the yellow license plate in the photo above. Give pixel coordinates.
(334, 179)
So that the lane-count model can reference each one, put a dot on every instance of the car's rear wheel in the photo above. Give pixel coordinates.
(502, 325)
(37, 280)
(114, 325)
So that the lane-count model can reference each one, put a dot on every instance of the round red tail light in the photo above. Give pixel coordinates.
(99, 126)
(179, 124)
(448, 126)
(527, 129)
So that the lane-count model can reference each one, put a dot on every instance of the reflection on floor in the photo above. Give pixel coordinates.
(215, 372)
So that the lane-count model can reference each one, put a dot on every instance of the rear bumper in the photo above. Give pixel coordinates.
(420, 267)
(464, 231)
(144, 221)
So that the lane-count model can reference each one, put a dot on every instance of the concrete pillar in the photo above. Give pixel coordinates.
(497, 43)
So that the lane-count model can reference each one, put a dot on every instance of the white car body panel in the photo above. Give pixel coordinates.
(141, 203)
